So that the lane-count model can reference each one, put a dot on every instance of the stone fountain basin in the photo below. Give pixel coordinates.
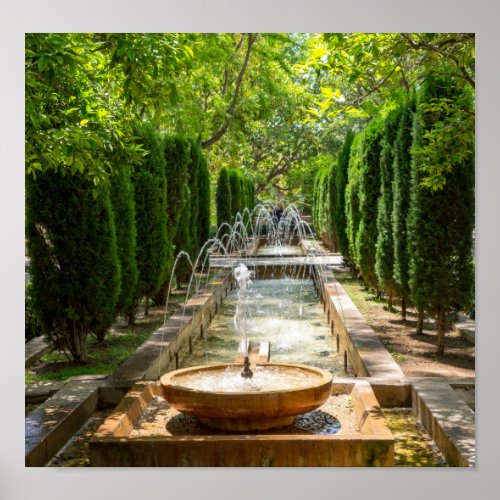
(247, 410)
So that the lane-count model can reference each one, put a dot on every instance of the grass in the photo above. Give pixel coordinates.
(102, 359)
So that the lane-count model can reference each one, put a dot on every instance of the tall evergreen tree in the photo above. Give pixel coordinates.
(150, 187)
(352, 211)
(75, 268)
(204, 201)
(330, 207)
(235, 186)
(223, 199)
(123, 204)
(384, 252)
(193, 169)
(339, 211)
(401, 202)
(440, 222)
(369, 192)
(183, 241)
(177, 152)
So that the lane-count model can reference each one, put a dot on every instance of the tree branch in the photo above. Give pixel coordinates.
(232, 107)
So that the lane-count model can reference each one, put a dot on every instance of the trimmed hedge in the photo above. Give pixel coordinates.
(153, 242)
(75, 268)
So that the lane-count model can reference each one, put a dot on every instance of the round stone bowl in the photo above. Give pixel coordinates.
(248, 406)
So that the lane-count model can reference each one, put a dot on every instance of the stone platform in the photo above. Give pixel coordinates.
(363, 439)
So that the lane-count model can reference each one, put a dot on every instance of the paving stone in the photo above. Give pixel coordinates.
(38, 393)
(50, 425)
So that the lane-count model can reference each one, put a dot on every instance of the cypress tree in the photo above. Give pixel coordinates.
(235, 186)
(75, 268)
(314, 211)
(193, 169)
(330, 208)
(384, 252)
(440, 222)
(352, 211)
(252, 194)
(150, 187)
(369, 192)
(401, 202)
(324, 203)
(177, 151)
(339, 211)
(182, 239)
(203, 201)
(177, 159)
(223, 199)
(123, 205)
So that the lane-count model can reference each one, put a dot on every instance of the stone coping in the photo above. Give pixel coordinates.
(466, 328)
(447, 418)
(372, 444)
(34, 350)
(50, 425)
(368, 355)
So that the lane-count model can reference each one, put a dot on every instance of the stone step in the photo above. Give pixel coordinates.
(34, 350)
(466, 328)
(447, 418)
(50, 425)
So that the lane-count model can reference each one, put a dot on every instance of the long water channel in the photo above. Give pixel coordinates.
(287, 313)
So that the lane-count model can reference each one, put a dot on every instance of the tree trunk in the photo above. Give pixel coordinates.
(161, 297)
(403, 308)
(131, 314)
(100, 335)
(420, 321)
(146, 307)
(441, 328)
(77, 347)
(389, 300)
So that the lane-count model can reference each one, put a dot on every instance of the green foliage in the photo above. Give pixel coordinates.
(369, 191)
(177, 160)
(182, 240)
(352, 211)
(324, 203)
(204, 207)
(384, 254)
(75, 267)
(193, 170)
(150, 189)
(32, 326)
(223, 198)
(123, 205)
(236, 194)
(339, 212)
(84, 91)
(441, 222)
(365, 75)
(401, 201)
(448, 141)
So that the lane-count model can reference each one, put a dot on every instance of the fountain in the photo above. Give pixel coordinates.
(251, 413)
(226, 397)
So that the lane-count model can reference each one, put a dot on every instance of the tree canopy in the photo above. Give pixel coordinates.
(263, 103)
